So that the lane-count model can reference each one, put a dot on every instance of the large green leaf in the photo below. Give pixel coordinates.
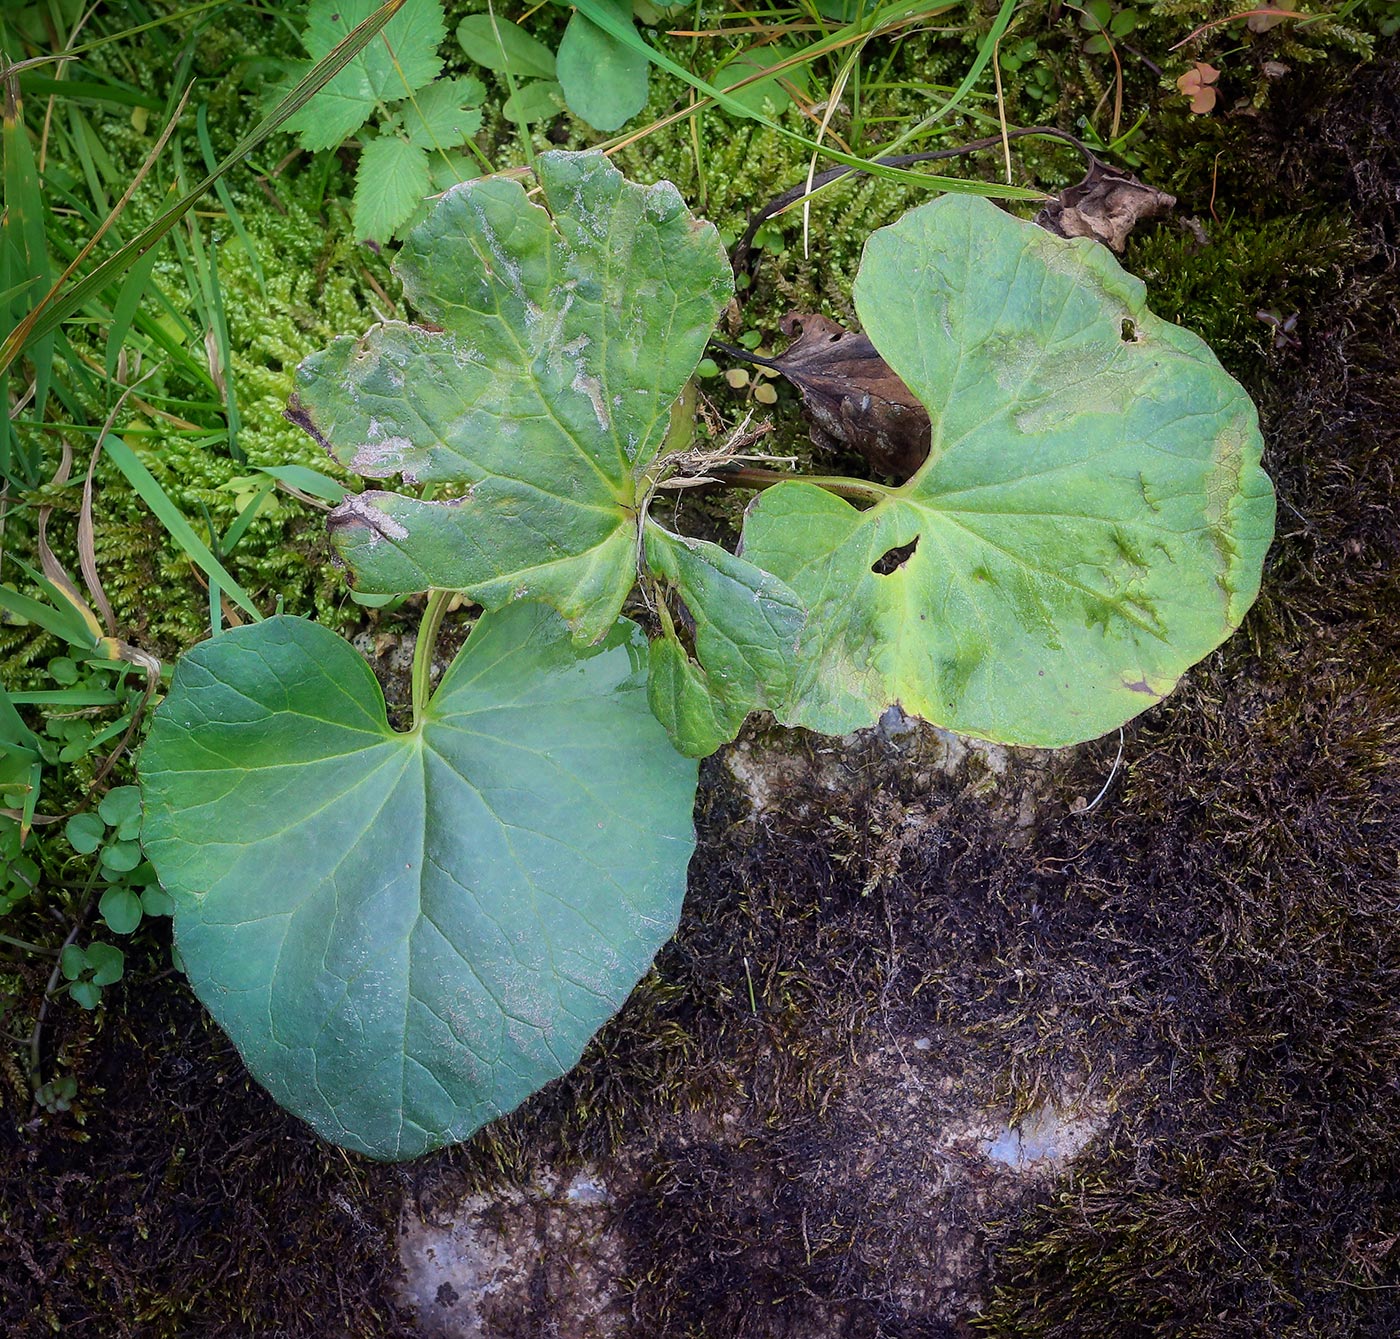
(408, 933)
(1091, 520)
(559, 338)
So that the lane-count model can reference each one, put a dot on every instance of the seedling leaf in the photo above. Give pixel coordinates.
(537, 100)
(1091, 520)
(407, 934)
(500, 45)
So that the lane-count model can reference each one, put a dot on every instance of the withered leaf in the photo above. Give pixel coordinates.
(1106, 206)
(851, 397)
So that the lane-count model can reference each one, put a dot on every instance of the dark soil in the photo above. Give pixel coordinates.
(884, 959)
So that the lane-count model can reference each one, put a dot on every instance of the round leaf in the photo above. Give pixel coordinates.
(763, 95)
(72, 962)
(604, 80)
(85, 832)
(121, 857)
(121, 809)
(121, 909)
(406, 934)
(155, 901)
(107, 963)
(1092, 517)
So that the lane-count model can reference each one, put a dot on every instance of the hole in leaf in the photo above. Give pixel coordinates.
(894, 559)
(1129, 332)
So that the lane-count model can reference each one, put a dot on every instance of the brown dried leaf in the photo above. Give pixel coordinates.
(852, 398)
(1106, 206)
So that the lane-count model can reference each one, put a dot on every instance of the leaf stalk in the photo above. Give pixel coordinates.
(748, 476)
(438, 600)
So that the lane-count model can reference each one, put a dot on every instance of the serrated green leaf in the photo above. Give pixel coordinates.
(450, 169)
(407, 934)
(538, 100)
(500, 46)
(746, 627)
(563, 338)
(391, 182)
(604, 81)
(1092, 518)
(401, 60)
(444, 114)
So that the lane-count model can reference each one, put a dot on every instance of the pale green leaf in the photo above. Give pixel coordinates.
(604, 80)
(678, 690)
(85, 832)
(391, 182)
(406, 934)
(537, 100)
(500, 46)
(561, 336)
(1092, 518)
(770, 94)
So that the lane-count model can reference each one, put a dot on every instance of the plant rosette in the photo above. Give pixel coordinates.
(407, 933)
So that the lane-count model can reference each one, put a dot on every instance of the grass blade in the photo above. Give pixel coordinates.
(25, 260)
(626, 33)
(57, 306)
(201, 126)
(181, 531)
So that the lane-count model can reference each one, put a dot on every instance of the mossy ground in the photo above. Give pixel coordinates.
(1215, 949)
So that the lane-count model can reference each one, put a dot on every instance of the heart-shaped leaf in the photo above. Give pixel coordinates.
(406, 934)
(560, 337)
(1092, 517)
